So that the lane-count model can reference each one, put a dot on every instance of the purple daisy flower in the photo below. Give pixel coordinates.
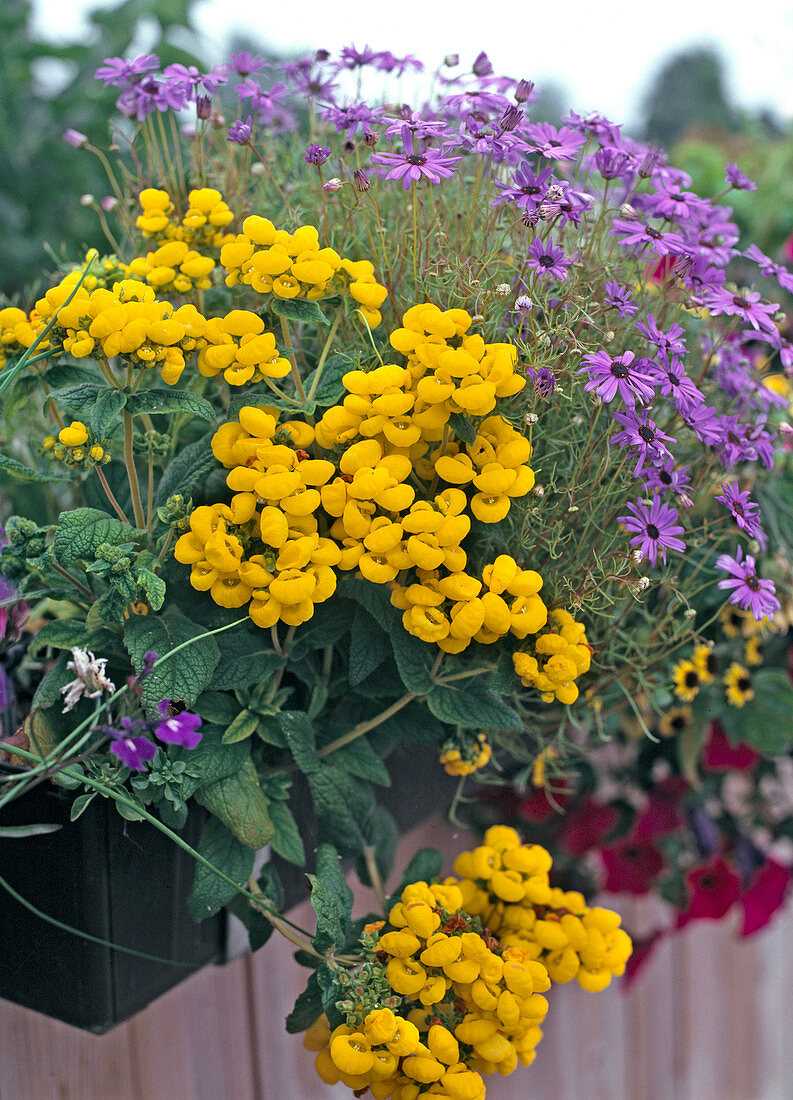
(642, 436)
(672, 381)
(410, 166)
(737, 179)
(669, 341)
(188, 79)
(745, 588)
(619, 298)
(744, 510)
(765, 263)
(609, 376)
(118, 71)
(179, 728)
(556, 144)
(668, 478)
(132, 750)
(526, 189)
(747, 306)
(637, 233)
(654, 528)
(316, 154)
(548, 259)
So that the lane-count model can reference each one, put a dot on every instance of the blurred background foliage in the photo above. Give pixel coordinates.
(46, 88)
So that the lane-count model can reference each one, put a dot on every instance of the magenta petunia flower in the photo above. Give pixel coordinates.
(609, 377)
(631, 866)
(745, 588)
(654, 528)
(713, 888)
(765, 896)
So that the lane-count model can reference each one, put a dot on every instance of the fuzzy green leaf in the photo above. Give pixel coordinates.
(300, 737)
(287, 841)
(373, 597)
(188, 470)
(330, 388)
(341, 802)
(241, 727)
(369, 646)
(210, 893)
(168, 402)
(83, 529)
(472, 708)
(152, 585)
(239, 802)
(425, 866)
(212, 759)
(25, 473)
(463, 428)
(308, 1007)
(414, 659)
(49, 689)
(359, 758)
(59, 634)
(183, 676)
(297, 309)
(382, 836)
(245, 659)
(331, 900)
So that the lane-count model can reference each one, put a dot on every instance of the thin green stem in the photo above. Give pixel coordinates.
(110, 495)
(132, 473)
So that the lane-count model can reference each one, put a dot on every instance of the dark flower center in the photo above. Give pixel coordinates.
(665, 477)
(708, 882)
(647, 433)
(744, 684)
(712, 664)
(691, 678)
(733, 438)
(619, 370)
(546, 261)
(678, 723)
(632, 852)
(673, 380)
(531, 190)
(653, 531)
(752, 582)
(654, 233)
(737, 507)
(740, 302)
(416, 158)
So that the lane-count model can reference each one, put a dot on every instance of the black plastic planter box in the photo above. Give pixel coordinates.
(121, 881)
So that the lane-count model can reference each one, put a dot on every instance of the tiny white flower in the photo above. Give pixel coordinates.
(91, 678)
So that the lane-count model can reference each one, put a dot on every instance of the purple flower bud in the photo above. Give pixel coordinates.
(240, 132)
(203, 106)
(523, 303)
(651, 158)
(451, 59)
(108, 203)
(149, 657)
(544, 381)
(482, 66)
(510, 118)
(370, 138)
(530, 219)
(75, 138)
(317, 154)
(321, 55)
(524, 91)
(332, 185)
(361, 180)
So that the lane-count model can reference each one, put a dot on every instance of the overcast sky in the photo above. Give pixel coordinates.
(602, 52)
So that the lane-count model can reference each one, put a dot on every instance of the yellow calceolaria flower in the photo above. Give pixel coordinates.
(465, 759)
(738, 685)
(293, 265)
(202, 225)
(566, 655)
(467, 962)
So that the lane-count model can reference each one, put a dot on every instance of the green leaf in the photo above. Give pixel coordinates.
(49, 689)
(210, 893)
(414, 659)
(170, 401)
(152, 585)
(241, 727)
(11, 832)
(341, 803)
(308, 1007)
(463, 428)
(373, 597)
(297, 309)
(287, 841)
(188, 470)
(300, 737)
(247, 660)
(382, 836)
(83, 529)
(239, 802)
(59, 634)
(472, 708)
(25, 473)
(767, 720)
(106, 408)
(330, 388)
(425, 866)
(502, 680)
(330, 621)
(81, 804)
(332, 991)
(183, 676)
(212, 759)
(369, 646)
(331, 900)
(359, 758)
(217, 707)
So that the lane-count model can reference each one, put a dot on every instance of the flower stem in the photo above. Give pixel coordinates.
(110, 495)
(132, 473)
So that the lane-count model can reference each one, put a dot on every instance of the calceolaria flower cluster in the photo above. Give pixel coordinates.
(463, 965)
